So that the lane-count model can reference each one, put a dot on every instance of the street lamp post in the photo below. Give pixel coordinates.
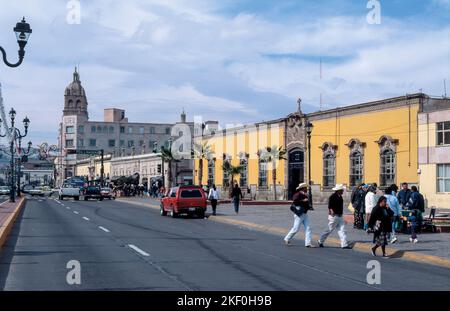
(309, 127)
(23, 32)
(15, 135)
(20, 160)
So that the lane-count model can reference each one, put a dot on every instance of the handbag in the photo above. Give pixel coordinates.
(350, 207)
(297, 210)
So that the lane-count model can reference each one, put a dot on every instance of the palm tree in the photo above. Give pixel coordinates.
(201, 151)
(232, 170)
(272, 154)
(167, 156)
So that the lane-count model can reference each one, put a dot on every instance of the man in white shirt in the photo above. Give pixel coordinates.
(370, 202)
(213, 196)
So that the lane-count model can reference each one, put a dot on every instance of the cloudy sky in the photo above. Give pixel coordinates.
(235, 61)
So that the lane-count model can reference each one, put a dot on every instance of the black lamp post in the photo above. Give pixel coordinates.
(21, 159)
(15, 135)
(309, 127)
(23, 32)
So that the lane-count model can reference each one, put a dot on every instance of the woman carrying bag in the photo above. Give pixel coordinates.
(381, 223)
(300, 207)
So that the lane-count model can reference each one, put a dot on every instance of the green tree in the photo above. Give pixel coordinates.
(201, 151)
(232, 170)
(167, 156)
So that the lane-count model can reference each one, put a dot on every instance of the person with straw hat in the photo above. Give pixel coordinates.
(300, 207)
(335, 217)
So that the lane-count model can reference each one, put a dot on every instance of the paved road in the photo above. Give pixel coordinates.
(126, 247)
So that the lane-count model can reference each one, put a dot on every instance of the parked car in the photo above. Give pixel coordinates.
(93, 192)
(39, 191)
(27, 188)
(69, 191)
(4, 190)
(107, 193)
(190, 200)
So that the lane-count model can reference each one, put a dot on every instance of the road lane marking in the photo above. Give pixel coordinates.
(75, 212)
(103, 228)
(85, 218)
(67, 207)
(138, 250)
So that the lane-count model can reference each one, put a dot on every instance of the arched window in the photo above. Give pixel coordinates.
(211, 171)
(356, 162)
(388, 165)
(243, 162)
(226, 175)
(262, 173)
(329, 164)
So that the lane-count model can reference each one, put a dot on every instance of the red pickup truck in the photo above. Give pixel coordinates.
(184, 200)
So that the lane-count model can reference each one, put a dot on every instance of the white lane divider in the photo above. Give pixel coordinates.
(75, 212)
(138, 250)
(103, 228)
(67, 207)
(85, 218)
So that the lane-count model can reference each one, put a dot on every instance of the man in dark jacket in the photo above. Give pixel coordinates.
(403, 195)
(335, 217)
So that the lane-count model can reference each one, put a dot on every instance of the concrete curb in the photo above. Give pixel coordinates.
(362, 247)
(6, 227)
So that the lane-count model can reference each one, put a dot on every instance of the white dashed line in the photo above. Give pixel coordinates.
(103, 228)
(138, 250)
(67, 207)
(75, 212)
(85, 218)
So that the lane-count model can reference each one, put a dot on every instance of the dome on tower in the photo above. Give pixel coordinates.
(75, 88)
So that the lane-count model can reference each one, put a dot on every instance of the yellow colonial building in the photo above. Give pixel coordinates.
(373, 142)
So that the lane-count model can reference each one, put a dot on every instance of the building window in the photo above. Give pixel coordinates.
(130, 143)
(141, 130)
(262, 173)
(111, 129)
(105, 129)
(211, 171)
(151, 144)
(92, 142)
(356, 168)
(122, 143)
(244, 173)
(93, 129)
(70, 130)
(81, 129)
(69, 143)
(226, 175)
(99, 129)
(443, 133)
(167, 130)
(80, 142)
(130, 130)
(443, 178)
(159, 169)
(152, 130)
(329, 164)
(122, 129)
(141, 143)
(387, 173)
(112, 143)
(329, 170)
(388, 164)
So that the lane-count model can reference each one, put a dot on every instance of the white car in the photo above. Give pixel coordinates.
(36, 191)
(69, 191)
(4, 190)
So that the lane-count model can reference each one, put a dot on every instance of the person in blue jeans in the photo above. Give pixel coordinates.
(413, 219)
(236, 196)
(300, 208)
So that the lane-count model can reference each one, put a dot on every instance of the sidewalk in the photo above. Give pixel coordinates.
(278, 219)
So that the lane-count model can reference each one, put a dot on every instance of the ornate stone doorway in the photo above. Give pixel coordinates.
(296, 170)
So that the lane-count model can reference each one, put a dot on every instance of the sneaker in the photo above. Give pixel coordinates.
(373, 251)
(386, 256)
(320, 244)
(415, 241)
(411, 240)
(393, 240)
